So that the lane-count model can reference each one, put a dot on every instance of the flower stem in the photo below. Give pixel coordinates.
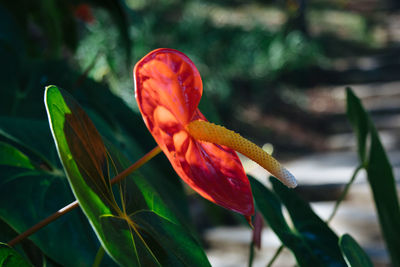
(75, 204)
(277, 253)
(344, 193)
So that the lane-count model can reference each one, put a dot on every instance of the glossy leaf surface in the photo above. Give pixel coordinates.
(380, 176)
(353, 253)
(168, 90)
(89, 168)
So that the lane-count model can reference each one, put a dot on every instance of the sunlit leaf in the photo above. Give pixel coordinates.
(10, 258)
(353, 253)
(83, 155)
(380, 177)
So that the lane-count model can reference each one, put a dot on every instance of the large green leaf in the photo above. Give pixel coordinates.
(83, 156)
(353, 253)
(86, 161)
(10, 258)
(165, 242)
(380, 177)
(175, 246)
(149, 193)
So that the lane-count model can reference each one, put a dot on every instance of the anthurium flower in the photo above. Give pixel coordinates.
(168, 89)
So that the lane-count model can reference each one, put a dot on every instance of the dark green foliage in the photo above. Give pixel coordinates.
(10, 258)
(39, 188)
(311, 240)
(353, 253)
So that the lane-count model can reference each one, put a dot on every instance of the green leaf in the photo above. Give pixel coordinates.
(29, 196)
(271, 208)
(166, 243)
(176, 247)
(86, 162)
(381, 179)
(353, 253)
(315, 232)
(83, 156)
(150, 193)
(32, 137)
(10, 258)
(11, 156)
(312, 242)
(26, 248)
(39, 192)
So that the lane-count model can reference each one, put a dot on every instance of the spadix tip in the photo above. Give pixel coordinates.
(287, 178)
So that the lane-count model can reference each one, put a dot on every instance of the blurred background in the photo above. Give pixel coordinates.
(274, 71)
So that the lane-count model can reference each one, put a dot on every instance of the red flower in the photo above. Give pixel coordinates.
(168, 91)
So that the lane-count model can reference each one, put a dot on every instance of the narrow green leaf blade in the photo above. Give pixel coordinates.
(315, 232)
(354, 255)
(10, 258)
(358, 118)
(381, 179)
(271, 208)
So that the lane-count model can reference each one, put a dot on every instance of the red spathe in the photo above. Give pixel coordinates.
(168, 89)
